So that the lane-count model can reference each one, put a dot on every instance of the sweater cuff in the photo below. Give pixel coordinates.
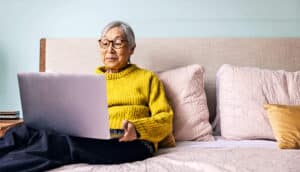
(139, 128)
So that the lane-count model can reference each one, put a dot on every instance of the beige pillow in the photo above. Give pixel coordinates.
(241, 94)
(185, 90)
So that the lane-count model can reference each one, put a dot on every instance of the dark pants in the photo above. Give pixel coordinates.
(26, 149)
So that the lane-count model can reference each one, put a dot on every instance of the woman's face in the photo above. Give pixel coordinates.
(115, 57)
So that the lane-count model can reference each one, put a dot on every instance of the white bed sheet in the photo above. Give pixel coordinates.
(214, 156)
(220, 142)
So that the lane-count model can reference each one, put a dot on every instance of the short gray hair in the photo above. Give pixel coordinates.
(127, 30)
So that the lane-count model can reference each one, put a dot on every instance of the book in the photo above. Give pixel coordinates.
(9, 115)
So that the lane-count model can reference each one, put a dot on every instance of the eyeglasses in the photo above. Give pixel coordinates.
(116, 43)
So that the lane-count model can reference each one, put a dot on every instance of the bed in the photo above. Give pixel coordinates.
(81, 55)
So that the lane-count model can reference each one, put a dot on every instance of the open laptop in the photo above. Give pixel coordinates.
(72, 104)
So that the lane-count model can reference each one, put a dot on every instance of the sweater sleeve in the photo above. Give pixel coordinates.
(159, 124)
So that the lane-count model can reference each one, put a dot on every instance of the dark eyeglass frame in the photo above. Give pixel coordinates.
(113, 42)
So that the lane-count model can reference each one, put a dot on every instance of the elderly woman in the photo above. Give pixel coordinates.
(140, 117)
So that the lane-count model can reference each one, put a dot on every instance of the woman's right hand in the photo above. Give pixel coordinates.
(129, 132)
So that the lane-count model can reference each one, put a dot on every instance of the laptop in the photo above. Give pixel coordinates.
(72, 104)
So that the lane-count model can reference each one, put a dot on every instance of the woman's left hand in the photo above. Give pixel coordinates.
(129, 132)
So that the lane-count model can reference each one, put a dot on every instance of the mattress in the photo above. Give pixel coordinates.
(214, 156)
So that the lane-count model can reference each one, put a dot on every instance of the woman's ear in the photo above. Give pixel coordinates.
(132, 49)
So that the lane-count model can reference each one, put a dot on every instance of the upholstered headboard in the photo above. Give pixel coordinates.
(158, 54)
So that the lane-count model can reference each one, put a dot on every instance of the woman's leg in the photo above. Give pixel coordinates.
(112, 151)
(14, 138)
(39, 150)
(26, 149)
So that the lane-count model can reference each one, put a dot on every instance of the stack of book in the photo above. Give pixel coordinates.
(9, 115)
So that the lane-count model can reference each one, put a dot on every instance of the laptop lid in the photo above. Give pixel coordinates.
(72, 104)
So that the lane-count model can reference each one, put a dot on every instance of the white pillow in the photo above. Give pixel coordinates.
(241, 93)
(185, 90)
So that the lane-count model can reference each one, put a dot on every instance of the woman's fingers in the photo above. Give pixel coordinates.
(125, 125)
(129, 132)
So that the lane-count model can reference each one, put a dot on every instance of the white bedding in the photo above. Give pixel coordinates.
(216, 156)
(223, 143)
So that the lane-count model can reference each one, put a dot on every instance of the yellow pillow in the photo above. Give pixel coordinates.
(285, 122)
(168, 141)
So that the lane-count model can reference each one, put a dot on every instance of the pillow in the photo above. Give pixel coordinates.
(168, 141)
(184, 88)
(241, 93)
(285, 122)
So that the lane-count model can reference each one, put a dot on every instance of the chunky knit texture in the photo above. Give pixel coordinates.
(138, 96)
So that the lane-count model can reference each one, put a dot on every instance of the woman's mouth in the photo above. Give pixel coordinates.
(111, 59)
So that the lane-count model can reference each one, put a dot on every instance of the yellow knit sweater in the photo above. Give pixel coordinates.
(138, 96)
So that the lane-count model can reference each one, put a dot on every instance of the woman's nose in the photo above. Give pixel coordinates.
(110, 47)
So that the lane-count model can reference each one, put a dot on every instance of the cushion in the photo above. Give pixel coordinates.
(241, 94)
(184, 88)
(168, 141)
(285, 122)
